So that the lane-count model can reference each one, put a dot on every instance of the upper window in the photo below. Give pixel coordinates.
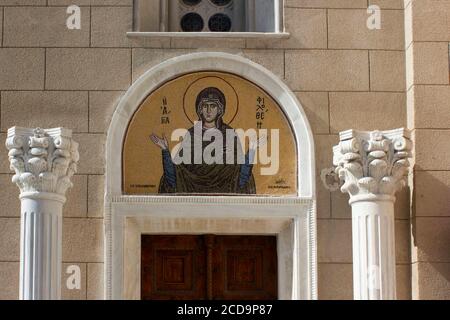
(208, 16)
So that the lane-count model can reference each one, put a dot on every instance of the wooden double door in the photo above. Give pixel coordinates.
(211, 267)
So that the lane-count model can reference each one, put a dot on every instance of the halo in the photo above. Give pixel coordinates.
(190, 96)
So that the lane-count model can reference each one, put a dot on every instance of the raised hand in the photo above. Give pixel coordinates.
(160, 142)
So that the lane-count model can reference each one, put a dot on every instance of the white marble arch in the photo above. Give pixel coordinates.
(292, 219)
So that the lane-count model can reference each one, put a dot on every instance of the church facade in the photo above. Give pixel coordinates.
(175, 149)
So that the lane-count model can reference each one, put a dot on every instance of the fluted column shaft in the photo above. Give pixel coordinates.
(40, 248)
(373, 249)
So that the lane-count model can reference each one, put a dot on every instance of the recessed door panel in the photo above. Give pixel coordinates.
(173, 267)
(245, 268)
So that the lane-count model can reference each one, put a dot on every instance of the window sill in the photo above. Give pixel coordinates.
(235, 35)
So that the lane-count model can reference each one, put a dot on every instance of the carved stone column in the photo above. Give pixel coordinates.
(44, 161)
(371, 167)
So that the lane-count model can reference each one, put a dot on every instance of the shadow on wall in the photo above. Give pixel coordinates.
(431, 235)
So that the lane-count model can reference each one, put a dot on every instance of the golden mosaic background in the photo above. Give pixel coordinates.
(142, 161)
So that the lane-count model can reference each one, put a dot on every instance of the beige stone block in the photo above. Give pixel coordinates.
(315, 105)
(207, 43)
(9, 280)
(1, 27)
(327, 70)
(402, 241)
(66, 280)
(76, 205)
(148, 18)
(327, 3)
(44, 27)
(149, 42)
(324, 157)
(91, 2)
(335, 281)
(430, 147)
(95, 281)
(347, 29)
(340, 209)
(410, 119)
(22, 2)
(334, 240)
(96, 194)
(367, 111)
(403, 279)
(409, 57)
(9, 239)
(144, 59)
(273, 60)
(323, 199)
(82, 240)
(45, 109)
(431, 63)
(92, 153)
(432, 239)
(431, 106)
(432, 281)
(408, 25)
(432, 196)
(402, 204)
(102, 105)
(387, 71)
(307, 29)
(388, 4)
(110, 26)
(324, 150)
(4, 161)
(9, 197)
(22, 69)
(88, 69)
(414, 280)
(431, 20)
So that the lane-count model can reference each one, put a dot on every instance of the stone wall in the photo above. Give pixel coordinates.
(345, 75)
(427, 58)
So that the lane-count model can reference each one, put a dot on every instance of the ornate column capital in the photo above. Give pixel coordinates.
(370, 165)
(44, 160)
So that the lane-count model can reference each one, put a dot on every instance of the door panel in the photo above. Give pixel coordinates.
(209, 267)
(173, 268)
(245, 267)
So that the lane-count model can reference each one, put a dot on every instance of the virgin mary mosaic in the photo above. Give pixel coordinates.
(209, 133)
(198, 176)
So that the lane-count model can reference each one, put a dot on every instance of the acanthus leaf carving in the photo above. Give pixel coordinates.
(373, 163)
(44, 160)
